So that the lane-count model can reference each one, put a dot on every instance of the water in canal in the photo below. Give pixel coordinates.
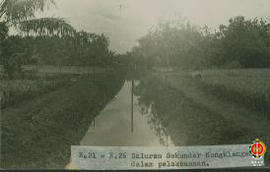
(123, 122)
(126, 122)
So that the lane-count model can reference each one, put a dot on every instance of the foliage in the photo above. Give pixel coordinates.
(3, 30)
(91, 49)
(47, 41)
(243, 43)
(20, 14)
(47, 27)
(84, 49)
(246, 41)
(16, 52)
(18, 10)
(170, 45)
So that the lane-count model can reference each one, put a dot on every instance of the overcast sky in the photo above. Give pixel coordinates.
(125, 21)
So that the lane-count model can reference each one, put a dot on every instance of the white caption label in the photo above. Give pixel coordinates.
(196, 157)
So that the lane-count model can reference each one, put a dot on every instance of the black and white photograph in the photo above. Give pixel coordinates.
(134, 84)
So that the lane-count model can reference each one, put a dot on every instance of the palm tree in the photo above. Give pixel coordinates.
(21, 15)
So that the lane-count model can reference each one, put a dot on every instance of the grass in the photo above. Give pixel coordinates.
(15, 91)
(53, 69)
(38, 133)
(249, 88)
(192, 116)
(37, 80)
(186, 121)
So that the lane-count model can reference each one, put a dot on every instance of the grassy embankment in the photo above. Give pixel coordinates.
(249, 87)
(193, 116)
(38, 133)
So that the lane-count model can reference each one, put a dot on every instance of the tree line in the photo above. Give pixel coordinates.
(240, 44)
(84, 49)
(46, 41)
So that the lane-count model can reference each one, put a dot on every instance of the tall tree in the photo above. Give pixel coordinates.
(21, 15)
(246, 41)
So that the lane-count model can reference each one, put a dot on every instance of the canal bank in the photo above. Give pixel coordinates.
(37, 134)
(123, 123)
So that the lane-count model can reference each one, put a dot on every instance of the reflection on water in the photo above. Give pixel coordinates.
(161, 116)
(126, 122)
(146, 93)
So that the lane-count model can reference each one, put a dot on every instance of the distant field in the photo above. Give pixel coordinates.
(50, 69)
(237, 72)
(249, 88)
(39, 79)
(15, 91)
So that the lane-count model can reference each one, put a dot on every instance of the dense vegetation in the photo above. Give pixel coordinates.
(84, 49)
(241, 44)
(46, 41)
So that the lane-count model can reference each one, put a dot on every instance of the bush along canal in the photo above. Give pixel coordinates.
(38, 133)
